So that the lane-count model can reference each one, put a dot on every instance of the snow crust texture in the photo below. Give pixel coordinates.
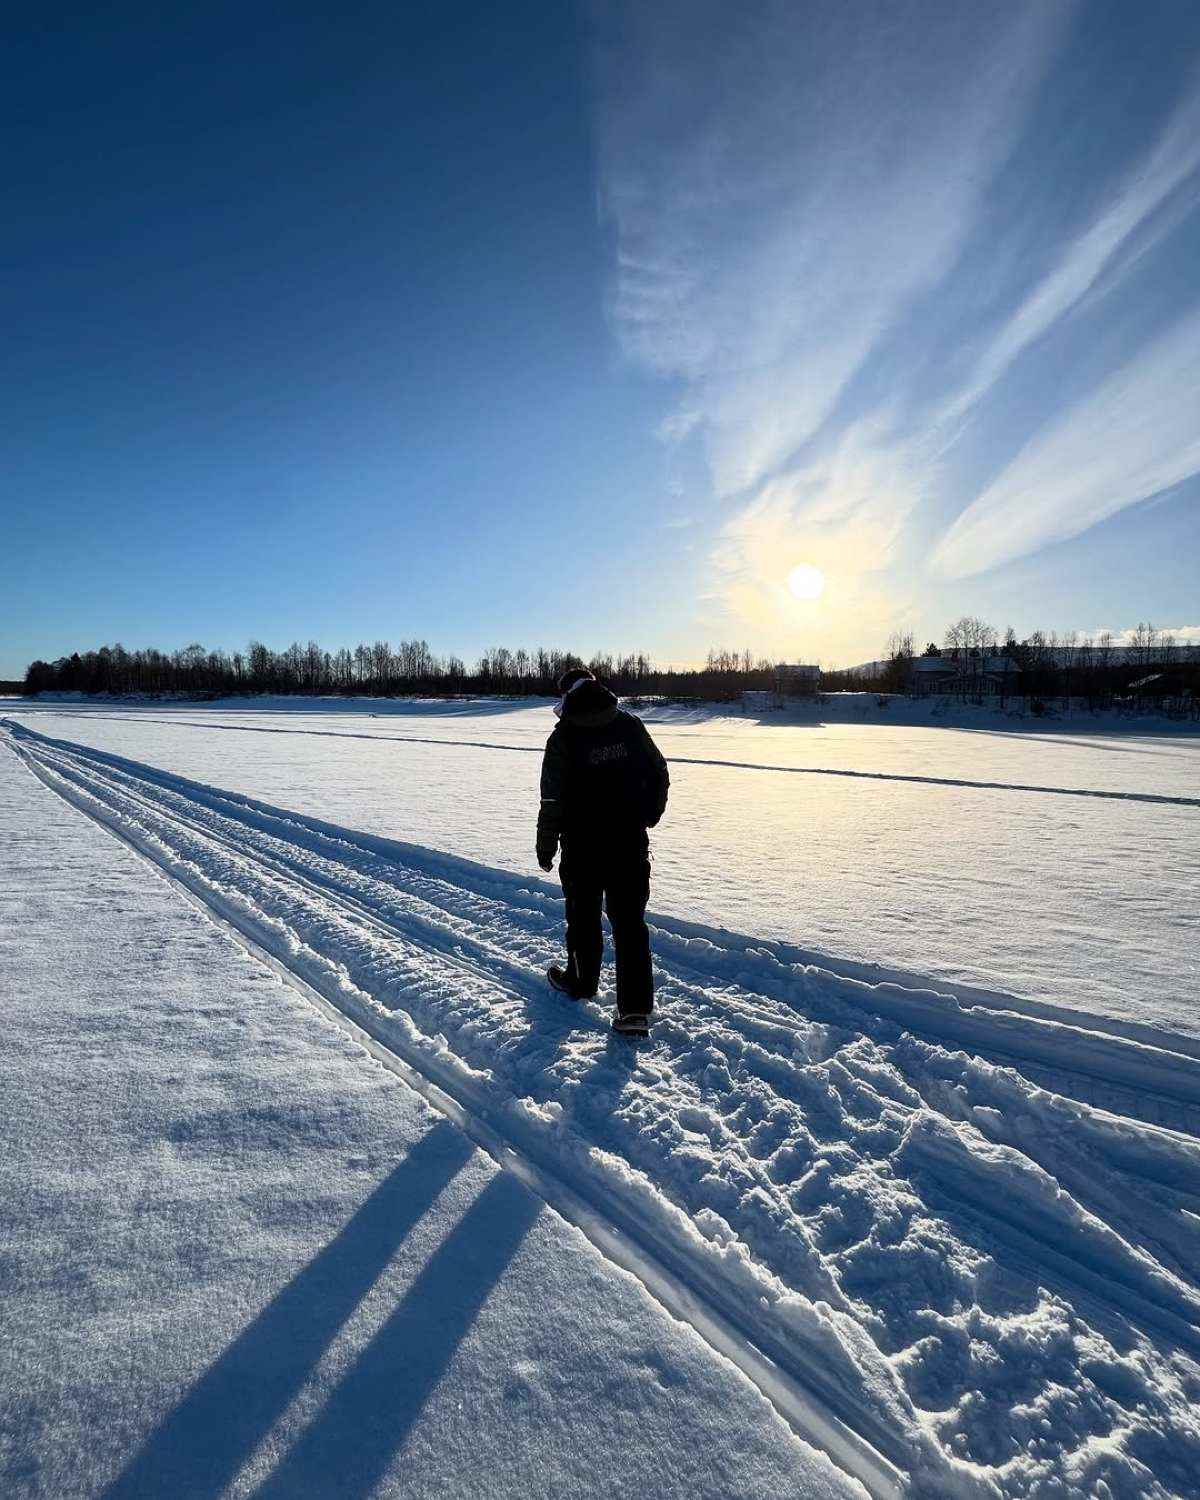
(971, 1234)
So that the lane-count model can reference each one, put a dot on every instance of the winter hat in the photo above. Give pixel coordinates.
(588, 704)
(569, 678)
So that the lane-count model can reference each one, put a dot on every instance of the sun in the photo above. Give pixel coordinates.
(806, 582)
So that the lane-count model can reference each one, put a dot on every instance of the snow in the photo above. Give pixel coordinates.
(1073, 900)
(952, 1237)
(242, 1258)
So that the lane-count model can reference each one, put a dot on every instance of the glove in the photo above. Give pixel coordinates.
(545, 855)
(547, 864)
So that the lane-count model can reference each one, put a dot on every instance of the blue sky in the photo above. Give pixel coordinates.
(533, 324)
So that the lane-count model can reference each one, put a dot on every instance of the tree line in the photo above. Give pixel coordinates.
(1046, 667)
(381, 669)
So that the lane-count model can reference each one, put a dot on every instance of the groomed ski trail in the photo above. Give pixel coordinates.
(835, 1182)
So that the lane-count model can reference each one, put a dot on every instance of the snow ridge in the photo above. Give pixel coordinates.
(992, 1282)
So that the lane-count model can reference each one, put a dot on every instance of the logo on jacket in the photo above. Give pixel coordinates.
(603, 753)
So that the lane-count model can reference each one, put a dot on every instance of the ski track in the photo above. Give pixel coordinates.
(675, 760)
(970, 1235)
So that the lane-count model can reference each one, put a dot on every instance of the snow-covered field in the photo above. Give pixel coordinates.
(239, 1257)
(869, 844)
(943, 1214)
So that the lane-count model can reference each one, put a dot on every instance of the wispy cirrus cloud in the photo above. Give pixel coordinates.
(1138, 433)
(781, 191)
(1148, 203)
(850, 232)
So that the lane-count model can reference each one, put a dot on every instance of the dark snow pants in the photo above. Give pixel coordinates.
(617, 877)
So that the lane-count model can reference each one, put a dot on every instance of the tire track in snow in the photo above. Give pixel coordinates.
(491, 963)
(1126, 1073)
(439, 902)
(762, 1113)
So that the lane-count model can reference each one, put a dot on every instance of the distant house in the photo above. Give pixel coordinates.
(932, 674)
(942, 674)
(788, 682)
(796, 681)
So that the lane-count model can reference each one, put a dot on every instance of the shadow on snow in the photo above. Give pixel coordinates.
(349, 1444)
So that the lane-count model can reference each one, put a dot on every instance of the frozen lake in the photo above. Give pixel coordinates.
(803, 832)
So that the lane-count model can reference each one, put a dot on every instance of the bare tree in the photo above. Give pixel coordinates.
(897, 674)
(1068, 662)
(381, 665)
(969, 641)
(1142, 644)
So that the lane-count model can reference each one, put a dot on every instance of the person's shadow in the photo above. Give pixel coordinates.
(350, 1444)
(201, 1445)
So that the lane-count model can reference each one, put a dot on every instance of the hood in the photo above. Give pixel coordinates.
(589, 705)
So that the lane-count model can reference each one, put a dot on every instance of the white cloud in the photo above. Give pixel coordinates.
(783, 185)
(1181, 635)
(1132, 217)
(786, 186)
(1138, 433)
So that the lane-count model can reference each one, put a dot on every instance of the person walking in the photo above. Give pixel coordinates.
(604, 782)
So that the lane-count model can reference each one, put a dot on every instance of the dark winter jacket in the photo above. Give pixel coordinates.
(603, 777)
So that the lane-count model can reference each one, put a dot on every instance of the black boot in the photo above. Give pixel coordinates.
(561, 981)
